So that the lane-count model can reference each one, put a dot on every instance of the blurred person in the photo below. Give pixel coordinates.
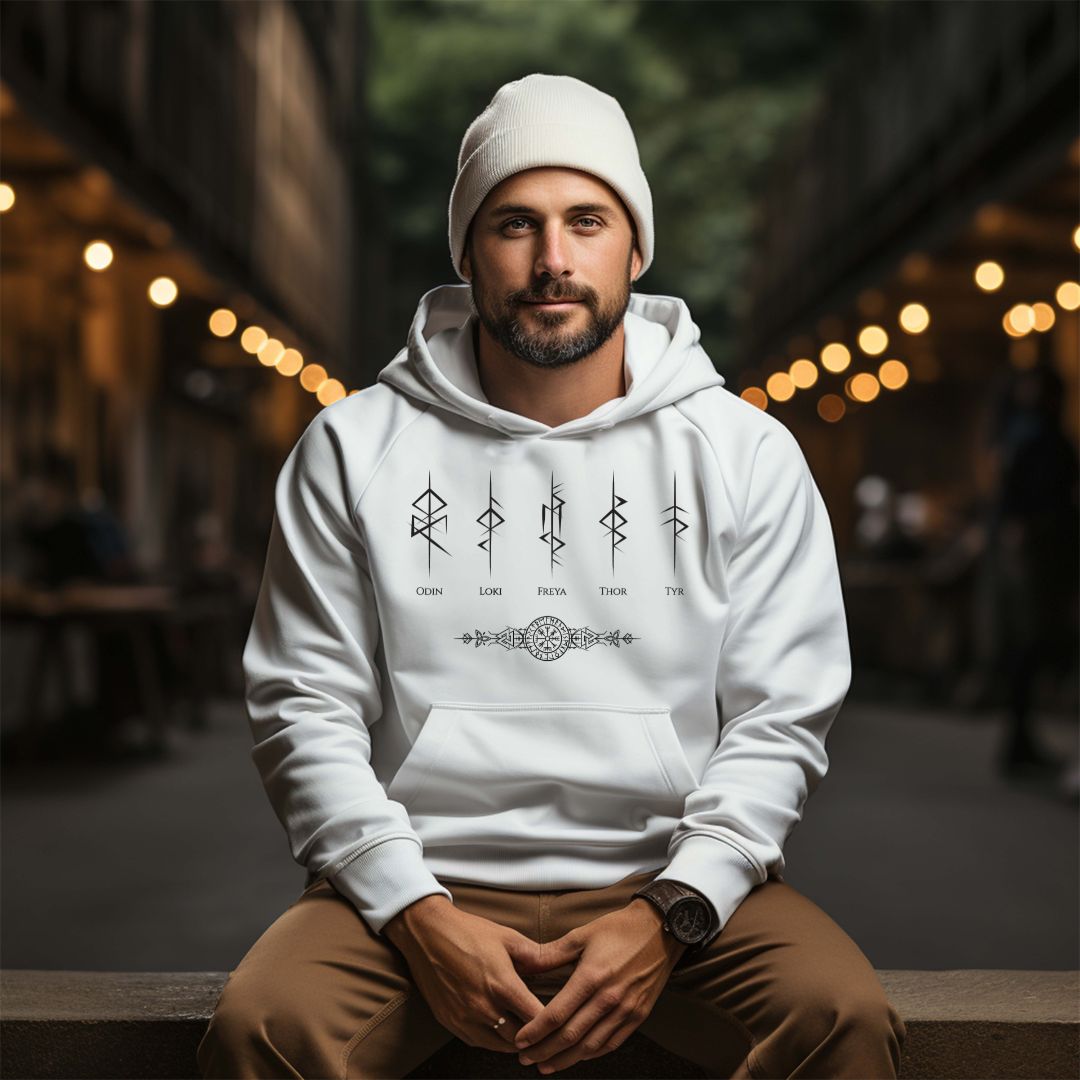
(882, 532)
(69, 539)
(72, 538)
(547, 646)
(1032, 550)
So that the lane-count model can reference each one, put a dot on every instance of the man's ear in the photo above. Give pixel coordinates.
(466, 266)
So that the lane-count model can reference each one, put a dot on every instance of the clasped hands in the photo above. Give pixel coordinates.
(471, 971)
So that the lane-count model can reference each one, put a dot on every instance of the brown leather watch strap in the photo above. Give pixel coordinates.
(664, 892)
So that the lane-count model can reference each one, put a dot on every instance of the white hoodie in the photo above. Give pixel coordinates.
(533, 657)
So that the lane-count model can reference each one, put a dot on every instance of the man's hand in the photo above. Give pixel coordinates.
(625, 961)
(466, 968)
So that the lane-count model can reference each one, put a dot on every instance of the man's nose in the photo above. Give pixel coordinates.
(554, 255)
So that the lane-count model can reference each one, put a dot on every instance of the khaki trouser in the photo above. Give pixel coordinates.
(782, 991)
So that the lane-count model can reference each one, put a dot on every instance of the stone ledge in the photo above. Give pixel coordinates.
(961, 1023)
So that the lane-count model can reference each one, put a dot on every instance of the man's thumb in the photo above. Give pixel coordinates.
(532, 957)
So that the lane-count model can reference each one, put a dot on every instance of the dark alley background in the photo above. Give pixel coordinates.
(217, 219)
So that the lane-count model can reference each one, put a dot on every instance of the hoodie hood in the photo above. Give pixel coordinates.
(663, 362)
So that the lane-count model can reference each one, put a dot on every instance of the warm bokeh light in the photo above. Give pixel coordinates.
(989, 276)
(222, 322)
(312, 377)
(7, 198)
(351, 392)
(893, 374)
(163, 291)
(756, 396)
(332, 390)
(831, 407)
(870, 302)
(803, 373)
(253, 339)
(991, 218)
(914, 318)
(1019, 319)
(835, 356)
(290, 363)
(1044, 315)
(97, 255)
(916, 266)
(779, 386)
(270, 352)
(862, 386)
(873, 339)
(1067, 295)
(1076, 238)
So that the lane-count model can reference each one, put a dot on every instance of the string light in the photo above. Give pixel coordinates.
(222, 322)
(98, 255)
(989, 276)
(163, 291)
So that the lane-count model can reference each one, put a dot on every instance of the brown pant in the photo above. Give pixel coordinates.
(782, 991)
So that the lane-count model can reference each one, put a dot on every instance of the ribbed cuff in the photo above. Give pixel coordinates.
(386, 879)
(716, 870)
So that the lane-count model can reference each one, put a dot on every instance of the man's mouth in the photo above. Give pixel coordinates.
(552, 303)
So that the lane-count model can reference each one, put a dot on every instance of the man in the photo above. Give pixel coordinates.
(549, 640)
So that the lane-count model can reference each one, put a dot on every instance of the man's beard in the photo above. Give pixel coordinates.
(542, 339)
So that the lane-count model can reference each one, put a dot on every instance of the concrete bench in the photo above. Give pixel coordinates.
(978, 1024)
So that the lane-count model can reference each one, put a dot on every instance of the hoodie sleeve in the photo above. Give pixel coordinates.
(783, 673)
(313, 691)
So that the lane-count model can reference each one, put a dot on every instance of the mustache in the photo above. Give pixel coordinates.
(550, 298)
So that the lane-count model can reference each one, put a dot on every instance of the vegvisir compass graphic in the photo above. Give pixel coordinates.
(678, 526)
(551, 522)
(491, 519)
(547, 638)
(614, 519)
(430, 504)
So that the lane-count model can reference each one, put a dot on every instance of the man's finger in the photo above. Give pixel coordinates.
(605, 1029)
(617, 1035)
(518, 1002)
(507, 1030)
(535, 957)
(565, 1045)
(558, 1010)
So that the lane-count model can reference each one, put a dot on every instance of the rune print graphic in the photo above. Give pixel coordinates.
(678, 525)
(551, 523)
(614, 519)
(547, 638)
(490, 519)
(430, 504)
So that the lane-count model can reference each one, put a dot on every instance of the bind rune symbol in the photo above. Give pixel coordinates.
(547, 638)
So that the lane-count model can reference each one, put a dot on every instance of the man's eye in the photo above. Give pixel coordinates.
(513, 221)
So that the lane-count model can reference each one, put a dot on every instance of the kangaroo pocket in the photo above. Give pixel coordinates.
(543, 774)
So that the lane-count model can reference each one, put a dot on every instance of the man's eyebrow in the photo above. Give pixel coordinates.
(578, 208)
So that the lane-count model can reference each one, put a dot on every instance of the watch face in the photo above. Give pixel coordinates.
(689, 920)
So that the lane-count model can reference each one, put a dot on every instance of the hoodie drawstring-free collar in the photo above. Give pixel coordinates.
(664, 362)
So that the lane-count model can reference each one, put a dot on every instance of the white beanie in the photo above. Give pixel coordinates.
(549, 120)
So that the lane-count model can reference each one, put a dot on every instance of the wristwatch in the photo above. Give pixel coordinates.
(688, 916)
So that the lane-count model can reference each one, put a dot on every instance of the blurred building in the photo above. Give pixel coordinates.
(917, 254)
(181, 193)
(162, 163)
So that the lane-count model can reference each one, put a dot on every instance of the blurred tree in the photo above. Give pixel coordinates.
(711, 88)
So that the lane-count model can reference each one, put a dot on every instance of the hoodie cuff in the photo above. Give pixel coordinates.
(386, 879)
(721, 874)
